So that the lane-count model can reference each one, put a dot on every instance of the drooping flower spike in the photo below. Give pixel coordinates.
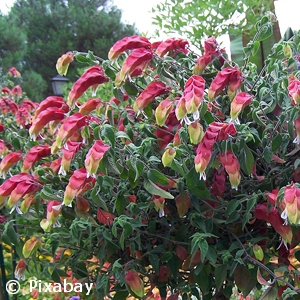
(63, 63)
(232, 167)
(152, 90)
(215, 132)
(51, 101)
(138, 58)
(94, 156)
(239, 102)
(92, 77)
(291, 202)
(294, 89)
(162, 111)
(230, 76)
(46, 116)
(54, 209)
(8, 161)
(297, 129)
(69, 150)
(128, 43)
(172, 44)
(78, 184)
(69, 126)
(34, 154)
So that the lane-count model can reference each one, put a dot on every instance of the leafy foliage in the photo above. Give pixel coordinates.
(205, 201)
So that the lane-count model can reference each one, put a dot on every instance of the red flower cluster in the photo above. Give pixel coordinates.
(128, 43)
(215, 132)
(16, 187)
(231, 76)
(92, 77)
(152, 90)
(211, 51)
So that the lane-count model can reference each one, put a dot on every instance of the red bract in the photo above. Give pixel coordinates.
(172, 44)
(3, 148)
(152, 90)
(229, 75)
(76, 182)
(294, 89)
(201, 64)
(94, 156)
(17, 187)
(137, 58)
(193, 93)
(7, 105)
(232, 167)
(13, 72)
(92, 77)
(70, 125)
(43, 118)
(211, 51)
(6, 90)
(215, 132)
(16, 91)
(210, 45)
(1, 127)
(90, 105)
(297, 127)
(272, 216)
(135, 283)
(127, 43)
(8, 161)
(54, 209)
(162, 111)
(69, 151)
(218, 186)
(291, 202)
(35, 154)
(166, 134)
(63, 63)
(240, 101)
(51, 101)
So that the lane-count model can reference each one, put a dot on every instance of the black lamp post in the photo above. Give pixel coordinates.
(57, 84)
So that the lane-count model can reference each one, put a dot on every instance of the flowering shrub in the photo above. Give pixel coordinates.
(184, 182)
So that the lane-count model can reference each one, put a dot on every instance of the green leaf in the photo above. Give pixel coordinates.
(120, 204)
(47, 194)
(153, 189)
(118, 94)
(197, 187)
(80, 58)
(120, 295)
(203, 246)
(96, 198)
(246, 159)
(109, 133)
(110, 73)
(232, 206)
(255, 48)
(157, 177)
(267, 154)
(276, 142)
(130, 88)
(220, 275)
(166, 256)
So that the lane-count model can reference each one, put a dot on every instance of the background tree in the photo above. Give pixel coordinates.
(52, 27)
(195, 19)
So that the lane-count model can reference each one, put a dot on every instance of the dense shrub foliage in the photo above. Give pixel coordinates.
(185, 181)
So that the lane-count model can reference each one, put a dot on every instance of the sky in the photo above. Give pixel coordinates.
(139, 12)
